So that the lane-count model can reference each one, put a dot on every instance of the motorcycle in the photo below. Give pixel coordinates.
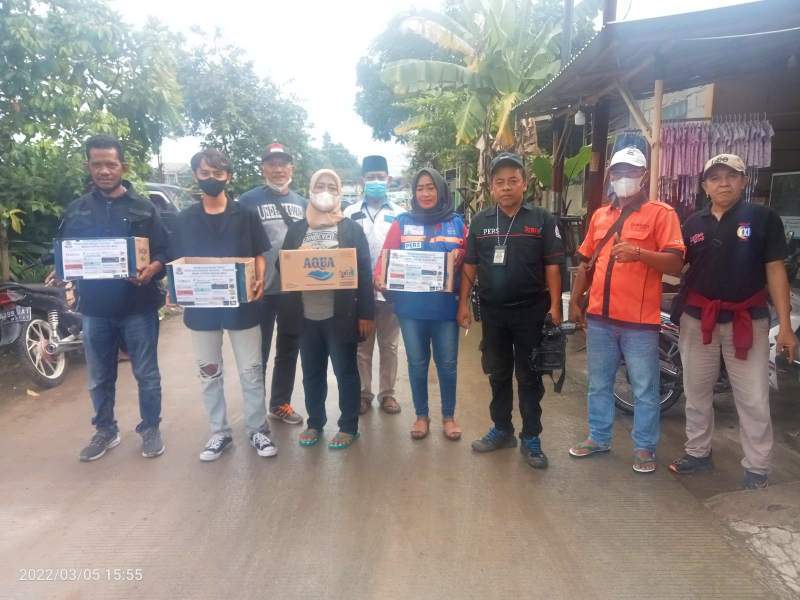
(38, 318)
(671, 387)
(792, 261)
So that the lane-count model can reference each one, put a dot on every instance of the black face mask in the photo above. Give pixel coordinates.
(212, 187)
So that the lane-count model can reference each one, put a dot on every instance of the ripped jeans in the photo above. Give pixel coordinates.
(246, 345)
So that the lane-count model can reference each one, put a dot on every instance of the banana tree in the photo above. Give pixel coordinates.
(501, 62)
(543, 167)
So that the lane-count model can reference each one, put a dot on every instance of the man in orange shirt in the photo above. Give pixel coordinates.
(629, 244)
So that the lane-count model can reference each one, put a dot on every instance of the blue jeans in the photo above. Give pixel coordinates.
(606, 345)
(318, 342)
(101, 341)
(418, 336)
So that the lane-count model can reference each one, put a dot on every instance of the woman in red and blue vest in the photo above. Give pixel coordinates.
(428, 319)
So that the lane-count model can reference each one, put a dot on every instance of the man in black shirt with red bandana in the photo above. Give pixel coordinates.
(735, 252)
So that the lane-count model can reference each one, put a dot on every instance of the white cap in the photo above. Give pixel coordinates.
(629, 156)
(729, 160)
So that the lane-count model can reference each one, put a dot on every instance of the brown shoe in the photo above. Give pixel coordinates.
(390, 405)
(364, 407)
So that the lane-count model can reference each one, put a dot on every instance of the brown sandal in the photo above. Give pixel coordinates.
(390, 406)
(451, 430)
(421, 428)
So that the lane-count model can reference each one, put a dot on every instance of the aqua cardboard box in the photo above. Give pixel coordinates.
(308, 270)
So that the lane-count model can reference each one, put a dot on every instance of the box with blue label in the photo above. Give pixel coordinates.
(100, 258)
(308, 270)
(417, 271)
(210, 282)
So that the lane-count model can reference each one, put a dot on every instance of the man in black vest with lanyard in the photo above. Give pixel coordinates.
(516, 253)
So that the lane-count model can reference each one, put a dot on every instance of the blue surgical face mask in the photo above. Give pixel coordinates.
(375, 189)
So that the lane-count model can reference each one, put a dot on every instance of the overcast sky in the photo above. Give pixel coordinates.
(311, 48)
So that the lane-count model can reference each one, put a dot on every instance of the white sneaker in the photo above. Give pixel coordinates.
(262, 444)
(215, 447)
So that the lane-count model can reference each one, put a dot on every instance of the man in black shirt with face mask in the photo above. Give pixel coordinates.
(219, 227)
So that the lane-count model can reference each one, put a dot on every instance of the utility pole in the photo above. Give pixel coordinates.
(566, 33)
(600, 116)
(559, 123)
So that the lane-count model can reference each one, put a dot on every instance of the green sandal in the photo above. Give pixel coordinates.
(342, 440)
(310, 437)
(587, 448)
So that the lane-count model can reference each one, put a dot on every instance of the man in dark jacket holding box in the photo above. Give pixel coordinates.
(119, 310)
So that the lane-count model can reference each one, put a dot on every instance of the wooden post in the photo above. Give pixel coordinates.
(597, 168)
(559, 143)
(655, 143)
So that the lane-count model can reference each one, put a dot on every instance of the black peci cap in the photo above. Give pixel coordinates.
(506, 158)
(374, 162)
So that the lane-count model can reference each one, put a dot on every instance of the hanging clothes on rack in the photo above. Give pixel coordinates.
(684, 150)
(686, 145)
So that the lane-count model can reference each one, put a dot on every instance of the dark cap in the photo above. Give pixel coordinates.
(276, 149)
(508, 159)
(374, 162)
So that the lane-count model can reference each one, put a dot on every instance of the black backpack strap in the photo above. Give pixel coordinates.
(614, 229)
(282, 209)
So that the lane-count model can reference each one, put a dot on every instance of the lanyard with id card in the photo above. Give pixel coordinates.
(500, 257)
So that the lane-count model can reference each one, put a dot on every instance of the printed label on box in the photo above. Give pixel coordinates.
(95, 258)
(209, 286)
(416, 271)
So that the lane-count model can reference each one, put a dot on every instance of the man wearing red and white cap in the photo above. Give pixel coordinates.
(277, 207)
(735, 252)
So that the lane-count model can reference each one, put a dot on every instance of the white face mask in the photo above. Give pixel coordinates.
(279, 189)
(625, 187)
(323, 201)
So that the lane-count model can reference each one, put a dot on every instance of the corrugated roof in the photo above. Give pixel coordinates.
(687, 49)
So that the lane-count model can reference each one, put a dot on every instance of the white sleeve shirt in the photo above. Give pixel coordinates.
(376, 224)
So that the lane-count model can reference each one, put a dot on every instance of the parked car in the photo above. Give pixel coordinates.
(169, 200)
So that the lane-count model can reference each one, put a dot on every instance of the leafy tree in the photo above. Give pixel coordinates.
(69, 69)
(377, 105)
(240, 113)
(432, 131)
(339, 158)
(501, 52)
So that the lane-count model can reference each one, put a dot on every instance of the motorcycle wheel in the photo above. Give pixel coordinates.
(45, 369)
(670, 389)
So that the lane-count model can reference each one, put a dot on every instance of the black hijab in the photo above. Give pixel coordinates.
(444, 207)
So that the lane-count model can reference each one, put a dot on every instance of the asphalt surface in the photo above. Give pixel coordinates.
(388, 518)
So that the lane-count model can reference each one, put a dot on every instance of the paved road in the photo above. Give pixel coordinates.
(390, 518)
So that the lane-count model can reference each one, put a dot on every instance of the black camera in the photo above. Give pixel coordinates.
(551, 354)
